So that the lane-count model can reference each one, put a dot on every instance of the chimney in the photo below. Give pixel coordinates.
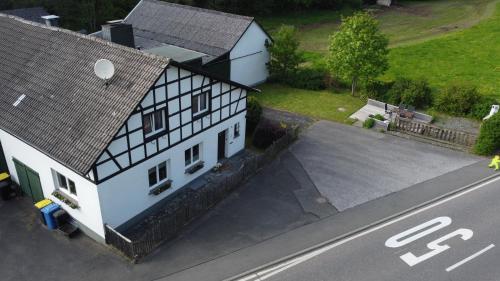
(51, 20)
(119, 32)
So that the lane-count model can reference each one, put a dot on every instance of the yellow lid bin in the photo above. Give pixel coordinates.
(40, 205)
(4, 176)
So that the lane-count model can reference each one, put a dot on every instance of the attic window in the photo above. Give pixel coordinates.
(19, 100)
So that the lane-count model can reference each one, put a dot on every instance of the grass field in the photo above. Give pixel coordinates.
(317, 104)
(413, 21)
(471, 55)
(438, 40)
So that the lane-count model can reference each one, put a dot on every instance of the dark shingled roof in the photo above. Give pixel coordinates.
(207, 31)
(68, 113)
(32, 14)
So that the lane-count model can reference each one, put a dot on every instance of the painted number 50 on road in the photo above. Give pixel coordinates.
(436, 247)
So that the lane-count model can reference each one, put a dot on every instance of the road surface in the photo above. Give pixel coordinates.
(457, 238)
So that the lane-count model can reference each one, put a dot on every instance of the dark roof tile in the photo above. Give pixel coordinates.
(68, 113)
(207, 31)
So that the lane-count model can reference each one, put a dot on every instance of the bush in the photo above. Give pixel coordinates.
(379, 117)
(457, 99)
(266, 133)
(489, 138)
(254, 112)
(482, 107)
(376, 90)
(308, 79)
(416, 93)
(369, 123)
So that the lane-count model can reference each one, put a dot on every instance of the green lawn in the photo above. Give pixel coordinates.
(441, 41)
(317, 104)
(471, 55)
(414, 21)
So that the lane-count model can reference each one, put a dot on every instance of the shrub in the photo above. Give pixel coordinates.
(369, 123)
(309, 79)
(254, 112)
(379, 117)
(489, 138)
(482, 107)
(266, 133)
(376, 90)
(457, 99)
(416, 93)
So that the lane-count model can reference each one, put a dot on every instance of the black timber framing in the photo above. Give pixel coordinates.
(168, 114)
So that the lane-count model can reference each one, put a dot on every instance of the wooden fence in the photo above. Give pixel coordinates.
(190, 204)
(454, 137)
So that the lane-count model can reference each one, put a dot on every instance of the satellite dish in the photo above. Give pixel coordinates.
(104, 69)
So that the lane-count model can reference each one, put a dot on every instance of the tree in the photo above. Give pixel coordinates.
(358, 50)
(285, 56)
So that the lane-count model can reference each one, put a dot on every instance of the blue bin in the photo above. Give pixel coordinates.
(48, 212)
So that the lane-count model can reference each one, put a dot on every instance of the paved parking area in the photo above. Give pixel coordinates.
(270, 204)
(351, 166)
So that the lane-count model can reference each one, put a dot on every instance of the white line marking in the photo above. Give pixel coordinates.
(462, 262)
(307, 256)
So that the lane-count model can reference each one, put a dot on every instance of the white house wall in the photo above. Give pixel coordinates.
(127, 194)
(122, 171)
(88, 214)
(250, 56)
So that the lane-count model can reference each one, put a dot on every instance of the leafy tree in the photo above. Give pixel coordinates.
(359, 50)
(285, 56)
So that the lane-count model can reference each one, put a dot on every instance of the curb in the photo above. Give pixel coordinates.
(359, 230)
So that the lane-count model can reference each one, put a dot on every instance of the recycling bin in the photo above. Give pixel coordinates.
(48, 212)
(5, 186)
(39, 206)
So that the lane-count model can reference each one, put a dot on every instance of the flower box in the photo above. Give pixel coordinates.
(161, 188)
(66, 199)
(193, 169)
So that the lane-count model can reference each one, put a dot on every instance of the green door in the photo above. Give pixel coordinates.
(35, 185)
(3, 163)
(29, 181)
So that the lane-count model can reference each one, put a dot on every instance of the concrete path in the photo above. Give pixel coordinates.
(351, 166)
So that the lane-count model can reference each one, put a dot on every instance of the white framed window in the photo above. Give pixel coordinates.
(236, 129)
(154, 122)
(65, 184)
(199, 103)
(158, 174)
(192, 155)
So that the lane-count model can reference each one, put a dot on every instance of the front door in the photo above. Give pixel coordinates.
(29, 181)
(3, 163)
(221, 154)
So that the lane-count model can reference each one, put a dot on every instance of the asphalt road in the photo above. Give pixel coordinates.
(457, 238)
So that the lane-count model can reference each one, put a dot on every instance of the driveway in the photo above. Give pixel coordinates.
(351, 166)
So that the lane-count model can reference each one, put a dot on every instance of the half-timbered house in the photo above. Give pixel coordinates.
(108, 151)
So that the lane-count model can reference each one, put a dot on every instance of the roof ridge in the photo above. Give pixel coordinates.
(200, 9)
(87, 37)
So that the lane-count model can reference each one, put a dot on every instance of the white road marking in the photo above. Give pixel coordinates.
(269, 272)
(464, 261)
